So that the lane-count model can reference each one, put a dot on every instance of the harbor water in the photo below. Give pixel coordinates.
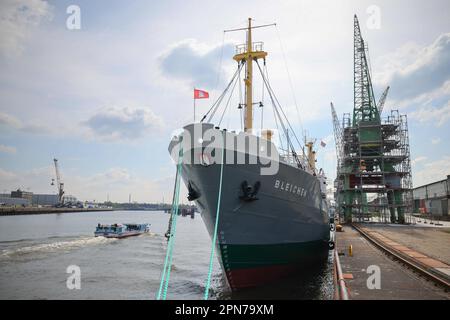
(36, 250)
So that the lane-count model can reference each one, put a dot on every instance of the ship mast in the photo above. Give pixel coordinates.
(249, 82)
(246, 54)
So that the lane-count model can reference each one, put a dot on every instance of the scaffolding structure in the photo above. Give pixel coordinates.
(373, 156)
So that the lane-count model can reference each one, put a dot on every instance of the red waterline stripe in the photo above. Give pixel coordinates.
(252, 277)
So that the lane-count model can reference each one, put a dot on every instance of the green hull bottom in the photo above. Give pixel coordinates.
(254, 265)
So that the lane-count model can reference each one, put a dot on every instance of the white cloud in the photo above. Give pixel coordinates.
(195, 63)
(429, 98)
(438, 116)
(10, 121)
(119, 183)
(432, 171)
(435, 140)
(38, 172)
(7, 149)
(37, 128)
(113, 175)
(17, 19)
(412, 71)
(6, 176)
(418, 159)
(123, 123)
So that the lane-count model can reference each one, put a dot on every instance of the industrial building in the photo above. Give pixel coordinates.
(45, 199)
(22, 194)
(26, 198)
(373, 156)
(6, 200)
(69, 198)
(433, 198)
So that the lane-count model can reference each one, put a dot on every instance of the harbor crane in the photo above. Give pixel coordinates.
(59, 183)
(337, 133)
(382, 100)
(373, 155)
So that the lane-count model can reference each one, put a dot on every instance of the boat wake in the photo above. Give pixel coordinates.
(53, 246)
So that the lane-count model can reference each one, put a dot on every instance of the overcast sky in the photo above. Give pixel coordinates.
(105, 98)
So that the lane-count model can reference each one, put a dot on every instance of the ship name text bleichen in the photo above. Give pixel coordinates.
(290, 187)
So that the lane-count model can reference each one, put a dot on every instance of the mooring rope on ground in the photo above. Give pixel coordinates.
(162, 292)
(219, 196)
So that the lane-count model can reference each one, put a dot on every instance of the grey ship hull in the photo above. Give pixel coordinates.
(260, 240)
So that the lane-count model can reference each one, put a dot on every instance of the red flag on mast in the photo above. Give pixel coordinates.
(200, 94)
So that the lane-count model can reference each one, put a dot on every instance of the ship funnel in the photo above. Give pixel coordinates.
(267, 134)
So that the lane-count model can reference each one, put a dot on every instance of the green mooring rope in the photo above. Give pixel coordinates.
(162, 292)
(174, 215)
(211, 258)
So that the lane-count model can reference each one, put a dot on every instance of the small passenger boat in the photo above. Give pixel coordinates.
(121, 230)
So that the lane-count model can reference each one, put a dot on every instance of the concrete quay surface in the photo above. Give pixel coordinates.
(417, 240)
(397, 282)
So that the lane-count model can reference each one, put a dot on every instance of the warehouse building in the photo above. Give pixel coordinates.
(433, 198)
(51, 199)
(22, 194)
(25, 198)
(6, 200)
(45, 199)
